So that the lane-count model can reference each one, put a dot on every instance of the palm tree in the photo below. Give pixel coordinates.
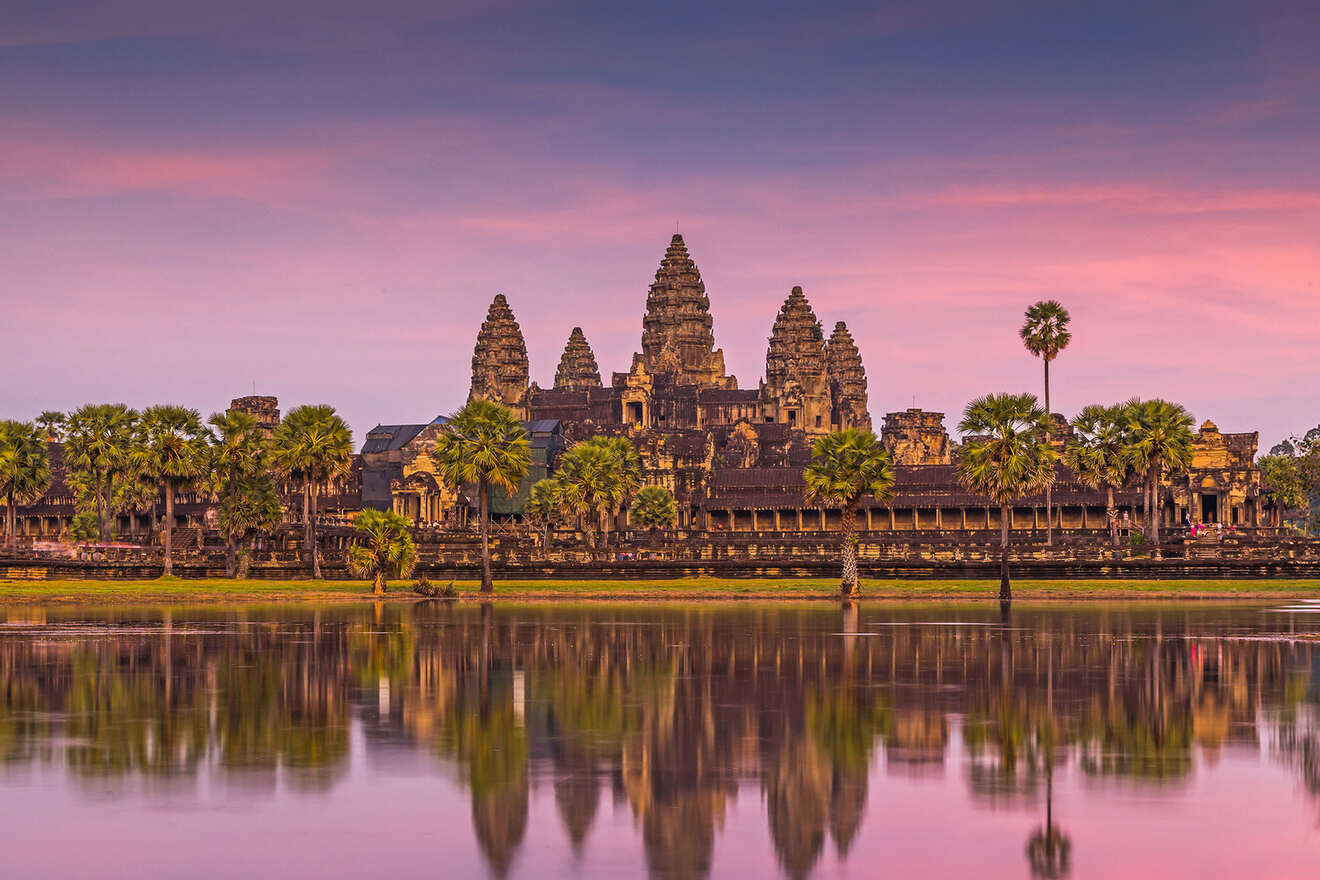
(543, 509)
(654, 507)
(386, 548)
(629, 469)
(1045, 334)
(239, 478)
(483, 443)
(1006, 455)
(845, 465)
(1159, 438)
(174, 445)
(96, 455)
(1097, 454)
(313, 445)
(592, 482)
(1283, 483)
(24, 470)
(51, 424)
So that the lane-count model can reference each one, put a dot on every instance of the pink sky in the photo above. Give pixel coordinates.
(193, 206)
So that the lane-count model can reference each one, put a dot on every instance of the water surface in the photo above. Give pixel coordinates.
(681, 741)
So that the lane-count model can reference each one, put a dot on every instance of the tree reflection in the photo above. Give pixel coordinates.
(670, 709)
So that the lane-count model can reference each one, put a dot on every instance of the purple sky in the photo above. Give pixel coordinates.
(324, 197)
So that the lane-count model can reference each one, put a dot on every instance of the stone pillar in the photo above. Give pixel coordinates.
(916, 520)
(868, 519)
(939, 517)
(733, 521)
(777, 527)
(799, 519)
(822, 519)
(962, 518)
(891, 519)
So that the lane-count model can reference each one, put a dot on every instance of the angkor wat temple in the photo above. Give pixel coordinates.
(733, 457)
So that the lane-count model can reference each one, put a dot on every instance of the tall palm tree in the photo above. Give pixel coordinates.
(1045, 334)
(845, 465)
(1159, 441)
(384, 548)
(24, 470)
(483, 443)
(175, 448)
(239, 478)
(313, 445)
(1006, 456)
(629, 474)
(96, 454)
(1097, 453)
(592, 483)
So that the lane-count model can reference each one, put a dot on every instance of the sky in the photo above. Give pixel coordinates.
(320, 199)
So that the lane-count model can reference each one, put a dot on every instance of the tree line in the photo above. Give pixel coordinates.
(122, 461)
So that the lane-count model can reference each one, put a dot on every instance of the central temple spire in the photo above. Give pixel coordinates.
(677, 335)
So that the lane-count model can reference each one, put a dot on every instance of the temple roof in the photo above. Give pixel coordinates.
(797, 344)
(577, 366)
(677, 334)
(499, 360)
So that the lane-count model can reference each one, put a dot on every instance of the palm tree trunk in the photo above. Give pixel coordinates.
(316, 548)
(487, 583)
(231, 557)
(1112, 516)
(1005, 590)
(11, 522)
(605, 534)
(307, 517)
(169, 528)
(1049, 490)
(1155, 504)
(100, 509)
(378, 584)
(849, 586)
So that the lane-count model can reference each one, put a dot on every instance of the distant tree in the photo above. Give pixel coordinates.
(484, 444)
(24, 470)
(383, 548)
(51, 424)
(175, 447)
(239, 478)
(593, 482)
(312, 445)
(1045, 334)
(1159, 442)
(543, 509)
(1006, 456)
(97, 457)
(1284, 484)
(844, 466)
(85, 527)
(629, 471)
(654, 508)
(1097, 453)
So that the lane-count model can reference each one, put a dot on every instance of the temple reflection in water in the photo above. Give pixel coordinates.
(675, 713)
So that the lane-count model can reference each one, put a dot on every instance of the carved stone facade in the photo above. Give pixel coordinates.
(916, 437)
(677, 331)
(266, 410)
(1222, 485)
(499, 360)
(577, 367)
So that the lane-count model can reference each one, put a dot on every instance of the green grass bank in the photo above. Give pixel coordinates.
(174, 590)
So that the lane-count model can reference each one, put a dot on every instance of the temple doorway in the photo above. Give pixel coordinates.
(1209, 508)
(635, 413)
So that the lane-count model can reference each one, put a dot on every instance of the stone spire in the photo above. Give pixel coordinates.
(796, 389)
(577, 367)
(847, 380)
(676, 331)
(499, 361)
(797, 344)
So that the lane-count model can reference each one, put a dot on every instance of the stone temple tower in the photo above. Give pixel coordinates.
(677, 335)
(796, 390)
(577, 367)
(847, 380)
(499, 360)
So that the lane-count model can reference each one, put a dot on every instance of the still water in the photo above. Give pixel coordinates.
(683, 741)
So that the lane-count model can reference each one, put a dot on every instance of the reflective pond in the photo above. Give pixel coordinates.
(685, 741)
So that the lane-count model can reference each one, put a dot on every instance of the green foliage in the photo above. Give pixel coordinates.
(1045, 331)
(1097, 450)
(173, 444)
(99, 457)
(654, 507)
(1159, 436)
(24, 465)
(597, 476)
(423, 587)
(1005, 455)
(313, 444)
(239, 478)
(52, 425)
(484, 442)
(84, 527)
(383, 547)
(845, 465)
